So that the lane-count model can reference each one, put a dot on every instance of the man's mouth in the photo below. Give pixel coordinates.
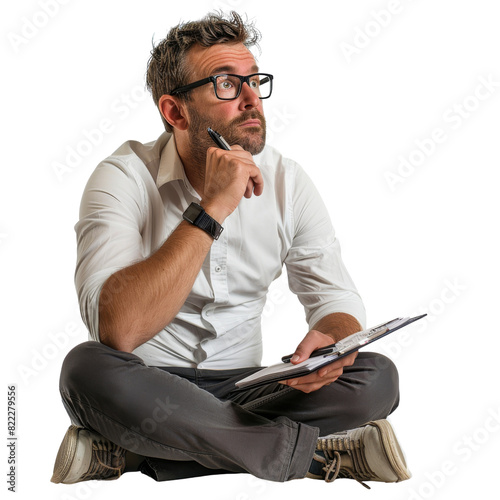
(250, 123)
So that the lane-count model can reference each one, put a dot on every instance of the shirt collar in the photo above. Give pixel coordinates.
(171, 167)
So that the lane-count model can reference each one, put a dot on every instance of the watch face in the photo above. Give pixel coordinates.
(192, 212)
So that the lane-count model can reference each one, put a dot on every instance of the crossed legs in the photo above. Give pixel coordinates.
(189, 422)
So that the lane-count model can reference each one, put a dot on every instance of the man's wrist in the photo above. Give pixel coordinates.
(215, 211)
(338, 325)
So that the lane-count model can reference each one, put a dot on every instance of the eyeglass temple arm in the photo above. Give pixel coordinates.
(192, 86)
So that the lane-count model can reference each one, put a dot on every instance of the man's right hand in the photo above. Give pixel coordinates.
(229, 175)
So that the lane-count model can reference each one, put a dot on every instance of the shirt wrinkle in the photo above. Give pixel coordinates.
(135, 199)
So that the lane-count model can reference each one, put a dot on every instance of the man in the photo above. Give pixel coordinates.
(178, 242)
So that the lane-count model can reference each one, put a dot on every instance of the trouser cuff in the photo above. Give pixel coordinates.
(302, 455)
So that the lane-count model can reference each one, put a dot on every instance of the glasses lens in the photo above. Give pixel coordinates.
(228, 86)
(261, 85)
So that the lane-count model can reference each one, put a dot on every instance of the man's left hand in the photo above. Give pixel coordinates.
(324, 376)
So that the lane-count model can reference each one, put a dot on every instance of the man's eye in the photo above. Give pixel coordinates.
(254, 84)
(226, 85)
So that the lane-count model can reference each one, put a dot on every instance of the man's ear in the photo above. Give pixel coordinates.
(173, 111)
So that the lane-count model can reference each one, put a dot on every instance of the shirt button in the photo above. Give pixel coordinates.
(218, 269)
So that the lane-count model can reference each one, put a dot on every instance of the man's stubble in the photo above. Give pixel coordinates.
(252, 139)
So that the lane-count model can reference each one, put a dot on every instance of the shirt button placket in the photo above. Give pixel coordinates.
(218, 255)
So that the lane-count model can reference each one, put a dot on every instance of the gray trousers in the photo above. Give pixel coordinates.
(189, 422)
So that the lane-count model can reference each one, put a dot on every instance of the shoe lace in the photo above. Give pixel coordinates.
(108, 461)
(333, 465)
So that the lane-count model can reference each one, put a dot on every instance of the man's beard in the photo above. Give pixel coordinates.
(252, 139)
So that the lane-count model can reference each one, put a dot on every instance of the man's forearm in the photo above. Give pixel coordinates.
(138, 301)
(338, 325)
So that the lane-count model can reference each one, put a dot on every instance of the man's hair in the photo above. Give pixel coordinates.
(167, 68)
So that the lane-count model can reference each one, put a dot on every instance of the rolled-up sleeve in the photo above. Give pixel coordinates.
(108, 234)
(316, 272)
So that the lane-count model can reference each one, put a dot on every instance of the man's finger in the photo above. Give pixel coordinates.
(316, 377)
(250, 188)
(309, 343)
(324, 376)
(258, 181)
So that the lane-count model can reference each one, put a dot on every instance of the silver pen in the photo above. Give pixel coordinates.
(218, 139)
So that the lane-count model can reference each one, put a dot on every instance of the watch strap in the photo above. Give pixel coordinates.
(196, 215)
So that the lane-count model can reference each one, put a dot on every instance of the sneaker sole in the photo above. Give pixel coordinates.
(65, 455)
(392, 449)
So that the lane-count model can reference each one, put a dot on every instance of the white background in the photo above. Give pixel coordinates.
(357, 86)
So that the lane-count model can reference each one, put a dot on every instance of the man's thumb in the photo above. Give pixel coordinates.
(299, 355)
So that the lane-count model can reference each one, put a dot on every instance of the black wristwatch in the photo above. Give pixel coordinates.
(198, 217)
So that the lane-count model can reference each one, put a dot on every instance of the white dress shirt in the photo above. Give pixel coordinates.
(135, 199)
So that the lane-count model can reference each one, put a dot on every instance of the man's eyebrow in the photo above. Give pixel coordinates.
(230, 69)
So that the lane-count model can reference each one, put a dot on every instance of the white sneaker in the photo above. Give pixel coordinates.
(368, 453)
(85, 455)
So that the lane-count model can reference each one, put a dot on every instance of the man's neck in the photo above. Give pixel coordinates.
(193, 167)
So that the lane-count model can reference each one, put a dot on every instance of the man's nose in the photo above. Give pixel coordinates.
(249, 99)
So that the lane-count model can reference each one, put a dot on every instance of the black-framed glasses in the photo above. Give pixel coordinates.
(228, 86)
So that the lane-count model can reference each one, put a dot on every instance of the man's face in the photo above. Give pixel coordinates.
(240, 121)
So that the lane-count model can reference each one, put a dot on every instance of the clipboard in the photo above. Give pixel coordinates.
(323, 356)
